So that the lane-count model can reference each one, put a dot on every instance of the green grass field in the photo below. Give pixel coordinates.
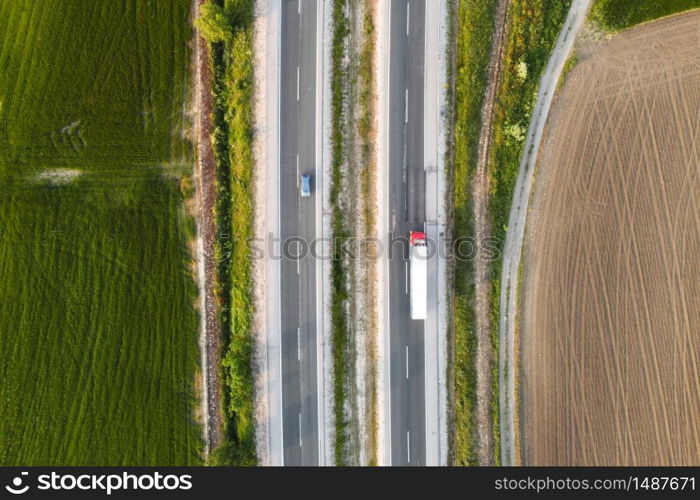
(618, 14)
(98, 335)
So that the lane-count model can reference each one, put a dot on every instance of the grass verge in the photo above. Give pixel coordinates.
(614, 15)
(232, 63)
(474, 32)
(570, 64)
(365, 125)
(339, 293)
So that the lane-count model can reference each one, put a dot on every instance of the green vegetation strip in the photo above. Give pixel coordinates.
(339, 294)
(474, 30)
(364, 126)
(533, 27)
(228, 26)
(98, 334)
(615, 15)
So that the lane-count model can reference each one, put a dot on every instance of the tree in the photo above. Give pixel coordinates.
(212, 22)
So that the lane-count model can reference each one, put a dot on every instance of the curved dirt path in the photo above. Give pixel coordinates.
(516, 228)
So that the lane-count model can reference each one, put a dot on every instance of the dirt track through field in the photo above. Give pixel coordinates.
(205, 178)
(482, 283)
(611, 284)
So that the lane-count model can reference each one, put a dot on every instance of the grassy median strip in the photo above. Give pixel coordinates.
(474, 31)
(339, 319)
(367, 110)
(228, 26)
(352, 201)
(533, 27)
(614, 15)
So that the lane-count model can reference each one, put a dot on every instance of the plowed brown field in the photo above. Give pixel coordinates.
(610, 319)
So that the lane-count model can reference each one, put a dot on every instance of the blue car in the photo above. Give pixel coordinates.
(305, 185)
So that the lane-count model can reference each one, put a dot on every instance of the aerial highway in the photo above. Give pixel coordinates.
(299, 304)
(406, 200)
(295, 286)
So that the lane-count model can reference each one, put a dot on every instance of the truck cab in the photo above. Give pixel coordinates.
(419, 274)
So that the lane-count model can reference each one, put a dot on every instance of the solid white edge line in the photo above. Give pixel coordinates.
(387, 290)
(425, 167)
(279, 220)
(320, 393)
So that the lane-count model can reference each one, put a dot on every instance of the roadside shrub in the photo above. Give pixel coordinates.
(212, 22)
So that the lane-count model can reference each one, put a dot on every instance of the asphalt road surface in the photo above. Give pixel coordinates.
(298, 223)
(407, 213)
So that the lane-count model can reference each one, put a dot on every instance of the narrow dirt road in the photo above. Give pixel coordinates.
(516, 227)
(205, 177)
(480, 195)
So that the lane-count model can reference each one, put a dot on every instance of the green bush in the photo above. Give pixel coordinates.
(212, 22)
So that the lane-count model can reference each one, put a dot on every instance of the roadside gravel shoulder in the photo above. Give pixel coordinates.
(262, 427)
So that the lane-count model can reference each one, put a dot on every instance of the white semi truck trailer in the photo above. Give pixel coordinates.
(419, 274)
